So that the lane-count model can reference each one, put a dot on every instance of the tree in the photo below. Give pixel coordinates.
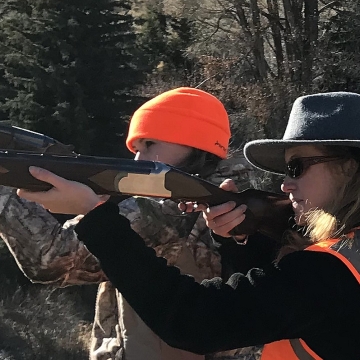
(164, 38)
(71, 66)
(339, 50)
(276, 39)
(264, 53)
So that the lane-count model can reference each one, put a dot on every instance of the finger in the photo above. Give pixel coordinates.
(186, 206)
(224, 230)
(229, 185)
(46, 176)
(240, 238)
(28, 195)
(236, 215)
(191, 207)
(39, 197)
(104, 198)
(223, 224)
(215, 211)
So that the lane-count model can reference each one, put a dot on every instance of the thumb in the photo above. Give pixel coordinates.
(229, 185)
(46, 176)
(104, 197)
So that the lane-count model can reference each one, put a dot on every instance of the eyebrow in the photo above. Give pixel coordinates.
(294, 156)
(140, 141)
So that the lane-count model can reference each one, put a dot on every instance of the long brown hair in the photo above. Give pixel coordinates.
(339, 217)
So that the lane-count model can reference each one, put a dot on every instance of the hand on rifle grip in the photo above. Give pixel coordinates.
(221, 219)
(188, 207)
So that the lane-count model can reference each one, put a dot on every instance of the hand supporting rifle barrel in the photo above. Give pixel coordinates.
(27, 141)
(267, 212)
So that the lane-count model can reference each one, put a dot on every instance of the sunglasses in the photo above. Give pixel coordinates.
(297, 166)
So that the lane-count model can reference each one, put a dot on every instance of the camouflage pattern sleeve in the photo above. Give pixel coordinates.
(50, 253)
(45, 251)
(158, 222)
(237, 168)
(172, 234)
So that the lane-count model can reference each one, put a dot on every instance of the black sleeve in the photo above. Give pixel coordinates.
(265, 305)
(258, 251)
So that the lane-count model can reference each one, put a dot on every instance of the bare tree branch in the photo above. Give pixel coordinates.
(216, 26)
(330, 5)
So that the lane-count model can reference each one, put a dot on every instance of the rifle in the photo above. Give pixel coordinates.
(267, 212)
(16, 138)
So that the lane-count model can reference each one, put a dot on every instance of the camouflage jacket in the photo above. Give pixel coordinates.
(48, 252)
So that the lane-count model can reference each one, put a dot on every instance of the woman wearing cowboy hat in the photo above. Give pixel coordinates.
(303, 306)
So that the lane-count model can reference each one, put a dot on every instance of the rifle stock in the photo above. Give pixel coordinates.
(267, 212)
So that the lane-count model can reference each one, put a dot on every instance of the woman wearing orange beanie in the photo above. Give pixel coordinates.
(185, 127)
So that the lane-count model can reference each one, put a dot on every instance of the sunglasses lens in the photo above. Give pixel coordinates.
(294, 168)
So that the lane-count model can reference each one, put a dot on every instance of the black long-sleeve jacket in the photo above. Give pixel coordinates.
(308, 295)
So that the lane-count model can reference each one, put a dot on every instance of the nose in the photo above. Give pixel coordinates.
(288, 185)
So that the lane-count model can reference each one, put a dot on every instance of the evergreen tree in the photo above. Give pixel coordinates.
(164, 38)
(70, 66)
(340, 50)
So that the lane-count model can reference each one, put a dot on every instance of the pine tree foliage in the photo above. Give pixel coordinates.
(339, 50)
(70, 68)
(164, 38)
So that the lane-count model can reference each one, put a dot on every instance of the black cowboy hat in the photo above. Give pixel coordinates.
(328, 119)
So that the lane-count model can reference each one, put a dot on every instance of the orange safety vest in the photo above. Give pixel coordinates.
(297, 349)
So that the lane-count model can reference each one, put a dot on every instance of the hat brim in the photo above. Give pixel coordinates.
(269, 155)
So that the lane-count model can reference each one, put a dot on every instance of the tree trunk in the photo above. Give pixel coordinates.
(311, 19)
(258, 43)
(293, 38)
(273, 9)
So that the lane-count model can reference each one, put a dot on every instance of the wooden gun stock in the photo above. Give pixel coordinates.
(268, 213)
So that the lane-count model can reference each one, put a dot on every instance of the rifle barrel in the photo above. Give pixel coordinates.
(16, 138)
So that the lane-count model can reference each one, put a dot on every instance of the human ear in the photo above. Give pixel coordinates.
(350, 167)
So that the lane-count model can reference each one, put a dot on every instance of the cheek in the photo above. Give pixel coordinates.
(314, 192)
(173, 159)
(336, 188)
(176, 155)
(326, 191)
(167, 156)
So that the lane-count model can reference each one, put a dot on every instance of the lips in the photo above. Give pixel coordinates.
(295, 202)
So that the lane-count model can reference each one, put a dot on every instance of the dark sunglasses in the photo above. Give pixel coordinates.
(297, 166)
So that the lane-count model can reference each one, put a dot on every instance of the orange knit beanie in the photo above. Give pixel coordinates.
(184, 116)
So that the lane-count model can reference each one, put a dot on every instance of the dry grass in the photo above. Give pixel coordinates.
(38, 322)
